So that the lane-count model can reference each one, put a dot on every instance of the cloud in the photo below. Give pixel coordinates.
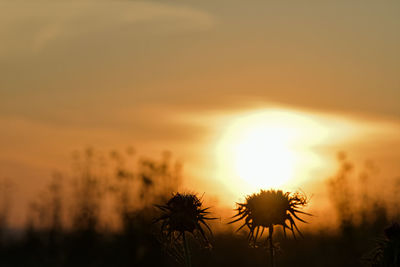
(104, 55)
(28, 26)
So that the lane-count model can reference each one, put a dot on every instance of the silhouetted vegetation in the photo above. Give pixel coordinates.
(183, 214)
(267, 209)
(103, 215)
(387, 250)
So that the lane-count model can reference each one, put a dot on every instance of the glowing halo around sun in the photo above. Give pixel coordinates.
(268, 149)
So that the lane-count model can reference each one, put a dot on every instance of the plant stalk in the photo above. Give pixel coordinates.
(188, 262)
(271, 246)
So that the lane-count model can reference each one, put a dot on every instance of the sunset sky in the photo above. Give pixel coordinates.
(203, 79)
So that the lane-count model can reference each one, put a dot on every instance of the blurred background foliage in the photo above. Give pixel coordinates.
(102, 215)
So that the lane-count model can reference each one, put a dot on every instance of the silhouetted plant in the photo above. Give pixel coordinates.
(182, 214)
(88, 191)
(387, 251)
(139, 183)
(5, 198)
(268, 208)
(343, 202)
(359, 206)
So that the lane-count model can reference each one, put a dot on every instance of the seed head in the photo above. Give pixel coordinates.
(183, 213)
(268, 208)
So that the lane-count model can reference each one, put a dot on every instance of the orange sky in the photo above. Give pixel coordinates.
(173, 75)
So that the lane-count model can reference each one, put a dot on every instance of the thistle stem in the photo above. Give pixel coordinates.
(188, 262)
(271, 245)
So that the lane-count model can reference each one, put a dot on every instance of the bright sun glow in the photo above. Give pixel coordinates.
(269, 149)
(263, 156)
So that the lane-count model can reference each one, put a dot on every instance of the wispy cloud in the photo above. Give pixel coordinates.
(31, 26)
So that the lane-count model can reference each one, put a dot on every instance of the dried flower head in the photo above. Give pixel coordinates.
(183, 213)
(268, 208)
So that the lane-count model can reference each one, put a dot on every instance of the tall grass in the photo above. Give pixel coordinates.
(101, 215)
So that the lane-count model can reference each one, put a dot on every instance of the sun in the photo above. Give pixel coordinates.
(267, 149)
(263, 157)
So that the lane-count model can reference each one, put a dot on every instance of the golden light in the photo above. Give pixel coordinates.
(263, 156)
(268, 149)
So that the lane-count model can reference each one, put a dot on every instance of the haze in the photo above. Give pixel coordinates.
(179, 75)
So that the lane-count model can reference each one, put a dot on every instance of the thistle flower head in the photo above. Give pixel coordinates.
(183, 213)
(268, 208)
